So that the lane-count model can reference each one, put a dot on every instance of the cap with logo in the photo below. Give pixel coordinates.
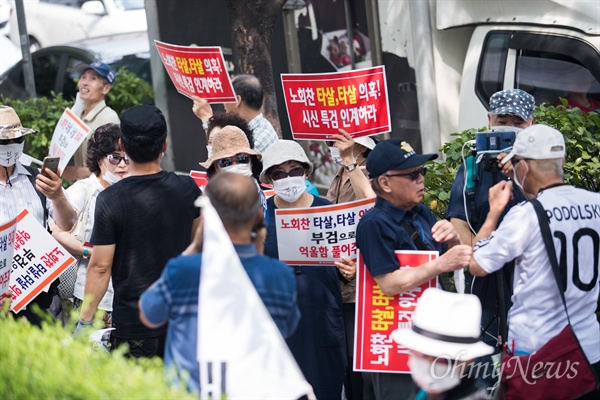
(394, 154)
(538, 142)
(512, 102)
(100, 68)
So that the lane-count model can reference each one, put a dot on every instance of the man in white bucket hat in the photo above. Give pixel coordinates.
(444, 341)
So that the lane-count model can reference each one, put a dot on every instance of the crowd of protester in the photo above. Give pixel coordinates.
(138, 239)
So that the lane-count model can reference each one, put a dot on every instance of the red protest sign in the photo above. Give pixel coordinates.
(197, 71)
(320, 104)
(378, 315)
(200, 178)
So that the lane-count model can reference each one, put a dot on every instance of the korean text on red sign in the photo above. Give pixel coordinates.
(197, 71)
(7, 245)
(68, 135)
(319, 235)
(379, 315)
(38, 260)
(320, 104)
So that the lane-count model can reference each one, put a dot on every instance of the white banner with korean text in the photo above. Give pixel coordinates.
(68, 135)
(7, 245)
(37, 261)
(319, 235)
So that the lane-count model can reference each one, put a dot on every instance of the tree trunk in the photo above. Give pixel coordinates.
(252, 24)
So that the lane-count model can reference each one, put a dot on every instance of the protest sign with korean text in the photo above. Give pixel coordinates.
(37, 261)
(378, 315)
(68, 135)
(320, 104)
(200, 178)
(197, 71)
(319, 235)
(7, 244)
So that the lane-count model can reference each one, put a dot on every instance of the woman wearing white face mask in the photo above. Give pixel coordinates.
(108, 165)
(318, 344)
(444, 341)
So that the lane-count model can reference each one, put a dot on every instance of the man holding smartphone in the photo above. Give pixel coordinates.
(20, 189)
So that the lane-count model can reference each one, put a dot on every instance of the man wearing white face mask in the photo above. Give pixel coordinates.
(21, 189)
(444, 340)
(510, 110)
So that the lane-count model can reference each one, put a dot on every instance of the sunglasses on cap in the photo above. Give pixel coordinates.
(6, 142)
(413, 176)
(239, 159)
(277, 175)
(116, 160)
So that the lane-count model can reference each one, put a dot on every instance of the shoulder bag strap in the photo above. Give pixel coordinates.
(547, 236)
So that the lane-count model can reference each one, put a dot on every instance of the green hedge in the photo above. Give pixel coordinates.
(48, 364)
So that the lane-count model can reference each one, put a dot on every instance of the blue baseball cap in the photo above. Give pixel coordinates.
(512, 102)
(394, 154)
(100, 68)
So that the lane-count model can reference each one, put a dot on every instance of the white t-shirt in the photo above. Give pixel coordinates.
(537, 314)
(80, 193)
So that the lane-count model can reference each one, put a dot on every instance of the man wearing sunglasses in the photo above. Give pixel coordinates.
(23, 188)
(400, 222)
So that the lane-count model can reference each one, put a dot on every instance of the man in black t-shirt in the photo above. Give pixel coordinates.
(140, 223)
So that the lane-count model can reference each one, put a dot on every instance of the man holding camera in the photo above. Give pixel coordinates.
(511, 110)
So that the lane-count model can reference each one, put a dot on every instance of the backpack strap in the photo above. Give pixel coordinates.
(33, 171)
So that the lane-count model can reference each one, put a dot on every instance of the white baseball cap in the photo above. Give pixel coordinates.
(445, 324)
(538, 142)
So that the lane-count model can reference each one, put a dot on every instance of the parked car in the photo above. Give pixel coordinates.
(53, 22)
(54, 66)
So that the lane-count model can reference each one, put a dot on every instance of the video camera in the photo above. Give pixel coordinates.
(491, 143)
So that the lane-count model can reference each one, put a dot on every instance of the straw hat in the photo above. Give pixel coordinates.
(228, 142)
(445, 325)
(10, 124)
(280, 152)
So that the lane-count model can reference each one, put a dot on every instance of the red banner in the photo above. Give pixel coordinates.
(320, 104)
(197, 71)
(378, 315)
(200, 178)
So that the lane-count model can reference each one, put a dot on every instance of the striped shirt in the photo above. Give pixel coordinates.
(20, 194)
(263, 133)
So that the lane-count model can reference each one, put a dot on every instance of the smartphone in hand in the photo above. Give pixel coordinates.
(50, 163)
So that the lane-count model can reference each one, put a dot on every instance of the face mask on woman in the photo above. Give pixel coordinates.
(10, 154)
(290, 189)
(433, 376)
(240, 169)
(111, 178)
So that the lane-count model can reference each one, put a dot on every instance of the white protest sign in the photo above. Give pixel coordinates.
(37, 261)
(7, 241)
(319, 235)
(68, 135)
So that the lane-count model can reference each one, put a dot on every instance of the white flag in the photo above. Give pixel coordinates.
(241, 353)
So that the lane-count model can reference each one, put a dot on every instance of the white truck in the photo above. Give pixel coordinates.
(463, 51)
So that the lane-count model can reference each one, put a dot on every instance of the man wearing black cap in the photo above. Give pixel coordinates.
(94, 85)
(140, 223)
(400, 222)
